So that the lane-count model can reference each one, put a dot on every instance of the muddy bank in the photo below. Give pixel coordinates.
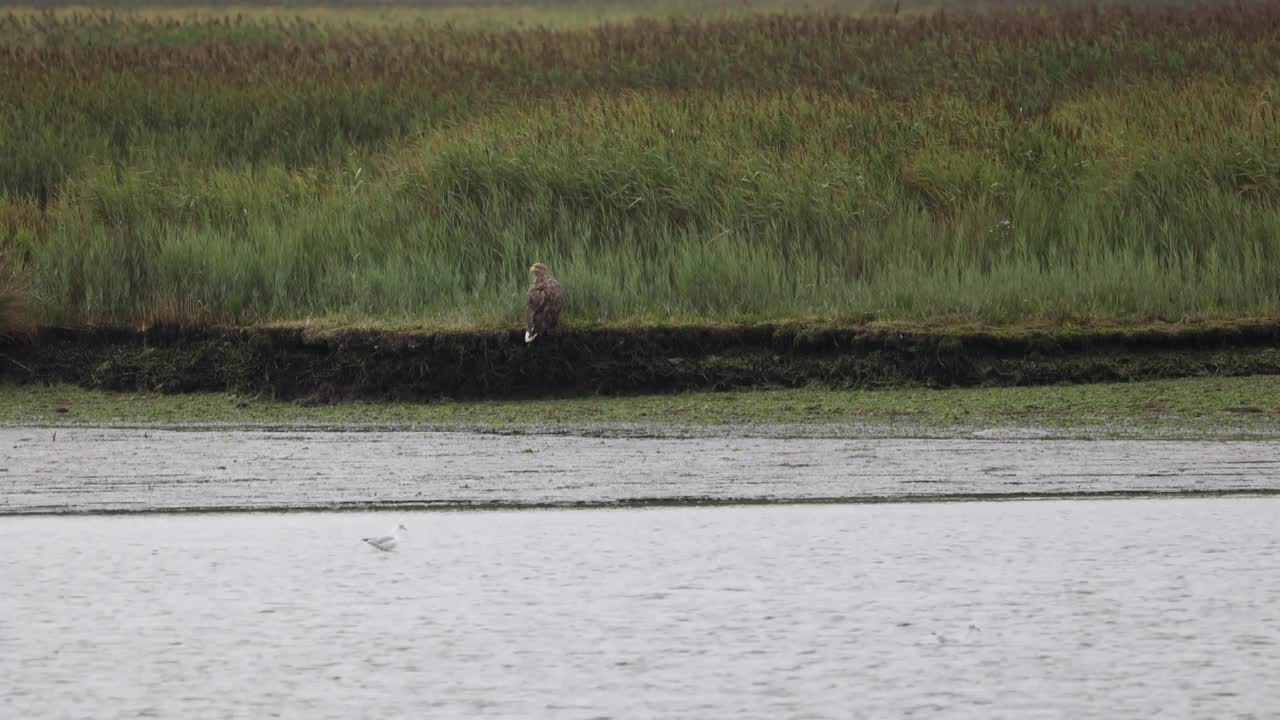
(333, 365)
(85, 471)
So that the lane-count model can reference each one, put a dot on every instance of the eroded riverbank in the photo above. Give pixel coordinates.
(346, 364)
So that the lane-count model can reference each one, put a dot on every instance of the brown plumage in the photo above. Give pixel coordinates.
(546, 298)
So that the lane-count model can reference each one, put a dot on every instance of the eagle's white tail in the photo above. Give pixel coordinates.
(528, 336)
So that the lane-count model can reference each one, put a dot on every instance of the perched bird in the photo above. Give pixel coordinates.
(387, 543)
(546, 297)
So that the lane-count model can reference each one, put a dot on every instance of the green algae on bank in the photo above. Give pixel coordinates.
(1199, 407)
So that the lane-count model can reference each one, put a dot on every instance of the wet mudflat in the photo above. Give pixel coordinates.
(1030, 609)
(87, 470)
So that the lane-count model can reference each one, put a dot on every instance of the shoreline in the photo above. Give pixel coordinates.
(654, 504)
(1206, 408)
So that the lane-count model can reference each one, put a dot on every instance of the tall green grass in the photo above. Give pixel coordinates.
(1091, 165)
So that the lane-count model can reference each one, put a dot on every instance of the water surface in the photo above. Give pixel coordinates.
(44, 470)
(1045, 609)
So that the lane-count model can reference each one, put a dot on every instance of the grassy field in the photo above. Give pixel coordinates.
(1192, 408)
(1113, 165)
(508, 14)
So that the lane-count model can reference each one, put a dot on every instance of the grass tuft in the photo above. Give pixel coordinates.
(12, 305)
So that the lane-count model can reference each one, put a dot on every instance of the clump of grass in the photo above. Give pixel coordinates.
(8, 304)
(13, 315)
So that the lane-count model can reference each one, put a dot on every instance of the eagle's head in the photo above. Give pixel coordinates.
(539, 270)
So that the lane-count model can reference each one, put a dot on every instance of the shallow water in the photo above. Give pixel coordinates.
(1044, 609)
(44, 470)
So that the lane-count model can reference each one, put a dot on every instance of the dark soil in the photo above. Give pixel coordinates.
(334, 365)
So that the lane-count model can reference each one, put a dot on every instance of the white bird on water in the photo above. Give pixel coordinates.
(387, 543)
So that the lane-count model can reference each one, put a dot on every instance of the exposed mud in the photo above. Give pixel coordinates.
(48, 471)
(298, 363)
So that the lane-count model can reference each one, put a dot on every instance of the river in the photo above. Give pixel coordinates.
(1027, 609)
(1055, 607)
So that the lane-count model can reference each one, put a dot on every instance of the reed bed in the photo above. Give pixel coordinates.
(12, 296)
(1098, 164)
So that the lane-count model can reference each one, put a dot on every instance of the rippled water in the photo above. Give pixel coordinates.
(1053, 609)
(90, 470)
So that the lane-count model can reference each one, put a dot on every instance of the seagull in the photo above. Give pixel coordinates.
(387, 543)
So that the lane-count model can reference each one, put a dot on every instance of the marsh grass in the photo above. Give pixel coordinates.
(8, 310)
(1089, 165)
(1202, 408)
(13, 316)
